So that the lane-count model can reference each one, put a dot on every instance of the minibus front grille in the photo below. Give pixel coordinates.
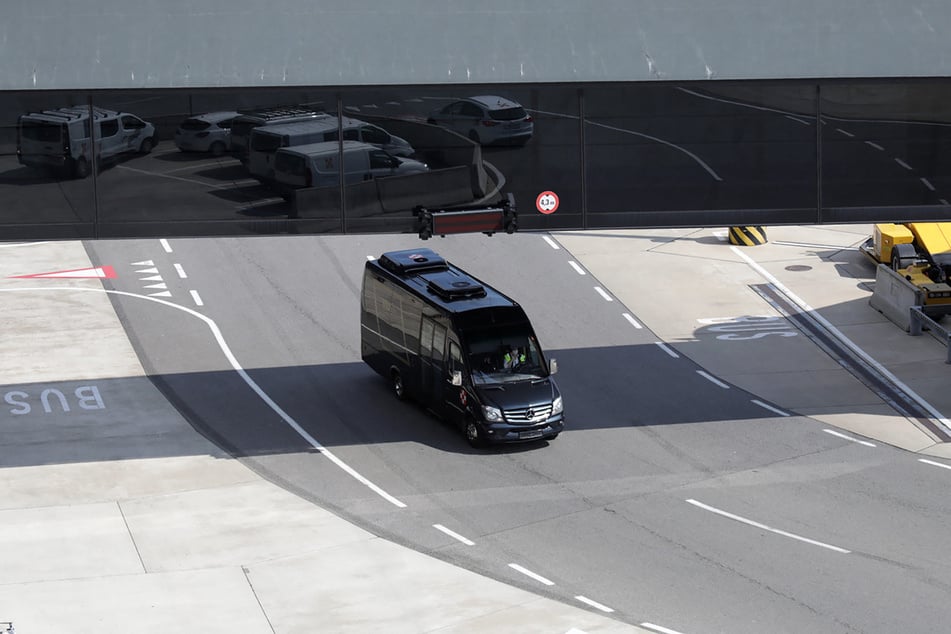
(528, 415)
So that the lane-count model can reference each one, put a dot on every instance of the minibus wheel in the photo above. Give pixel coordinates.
(473, 435)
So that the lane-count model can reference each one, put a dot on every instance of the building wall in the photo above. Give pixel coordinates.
(645, 113)
(121, 44)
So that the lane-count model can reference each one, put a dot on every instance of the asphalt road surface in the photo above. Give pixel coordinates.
(668, 499)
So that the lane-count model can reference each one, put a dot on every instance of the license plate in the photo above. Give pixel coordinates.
(527, 435)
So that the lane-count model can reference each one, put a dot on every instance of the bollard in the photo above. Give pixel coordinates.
(747, 236)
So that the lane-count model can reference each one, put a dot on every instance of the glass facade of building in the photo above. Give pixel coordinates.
(183, 162)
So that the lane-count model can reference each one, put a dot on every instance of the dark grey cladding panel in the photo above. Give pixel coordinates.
(47, 44)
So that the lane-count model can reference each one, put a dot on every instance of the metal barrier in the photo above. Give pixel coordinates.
(920, 322)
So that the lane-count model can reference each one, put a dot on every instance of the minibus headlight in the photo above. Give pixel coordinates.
(557, 406)
(491, 414)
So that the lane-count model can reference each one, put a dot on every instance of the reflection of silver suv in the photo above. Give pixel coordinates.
(62, 138)
(486, 119)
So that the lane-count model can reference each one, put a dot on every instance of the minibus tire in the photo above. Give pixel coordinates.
(473, 435)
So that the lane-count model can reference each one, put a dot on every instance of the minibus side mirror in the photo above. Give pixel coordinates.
(552, 367)
(456, 378)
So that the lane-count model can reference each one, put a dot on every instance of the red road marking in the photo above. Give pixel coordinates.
(101, 272)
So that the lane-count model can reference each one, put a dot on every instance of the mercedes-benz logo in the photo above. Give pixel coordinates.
(530, 413)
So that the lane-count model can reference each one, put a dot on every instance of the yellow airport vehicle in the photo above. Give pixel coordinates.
(921, 252)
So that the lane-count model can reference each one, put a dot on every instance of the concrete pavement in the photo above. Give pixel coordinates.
(700, 298)
(116, 516)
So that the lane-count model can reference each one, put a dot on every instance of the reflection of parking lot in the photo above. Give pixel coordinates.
(170, 185)
(224, 183)
(164, 185)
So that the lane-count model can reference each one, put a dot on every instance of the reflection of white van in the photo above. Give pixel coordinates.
(62, 138)
(266, 140)
(318, 165)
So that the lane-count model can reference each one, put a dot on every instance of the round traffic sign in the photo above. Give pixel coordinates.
(547, 202)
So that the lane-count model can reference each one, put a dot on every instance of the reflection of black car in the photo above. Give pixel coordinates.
(486, 119)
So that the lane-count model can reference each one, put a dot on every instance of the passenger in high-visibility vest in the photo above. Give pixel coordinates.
(513, 359)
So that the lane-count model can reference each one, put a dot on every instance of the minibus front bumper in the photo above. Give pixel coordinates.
(508, 433)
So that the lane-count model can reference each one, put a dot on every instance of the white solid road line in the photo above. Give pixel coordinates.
(659, 628)
(603, 294)
(764, 527)
(713, 379)
(770, 407)
(813, 314)
(631, 319)
(454, 535)
(529, 573)
(933, 463)
(847, 437)
(229, 355)
(594, 604)
(663, 346)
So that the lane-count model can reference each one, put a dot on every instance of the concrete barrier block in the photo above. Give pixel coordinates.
(363, 199)
(438, 188)
(317, 202)
(894, 296)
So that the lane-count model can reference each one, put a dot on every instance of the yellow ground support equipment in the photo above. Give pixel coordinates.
(921, 252)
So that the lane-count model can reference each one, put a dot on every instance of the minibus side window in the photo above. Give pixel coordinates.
(439, 343)
(455, 358)
(426, 339)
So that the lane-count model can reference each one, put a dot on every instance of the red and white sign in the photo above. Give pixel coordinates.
(547, 202)
(101, 272)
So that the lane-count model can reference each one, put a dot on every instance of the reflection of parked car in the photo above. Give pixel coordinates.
(266, 140)
(317, 165)
(486, 119)
(62, 138)
(209, 132)
(248, 120)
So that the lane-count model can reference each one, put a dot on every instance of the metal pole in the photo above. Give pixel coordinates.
(340, 168)
(819, 153)
(583, 166)
(95, 168)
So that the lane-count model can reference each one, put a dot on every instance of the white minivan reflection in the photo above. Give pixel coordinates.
(317, 165)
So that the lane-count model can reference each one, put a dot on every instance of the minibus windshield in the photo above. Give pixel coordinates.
(505, 356)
